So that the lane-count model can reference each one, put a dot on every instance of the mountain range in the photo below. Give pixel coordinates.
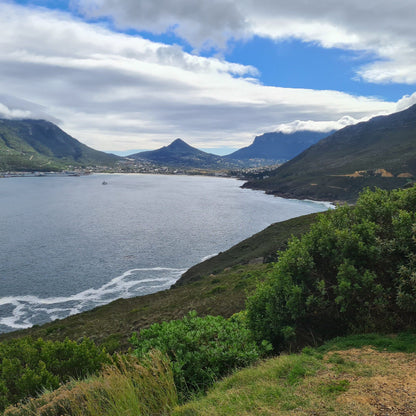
(43, 146)
(28, 145)
(380, 152)
(276, 147)
(267, 149)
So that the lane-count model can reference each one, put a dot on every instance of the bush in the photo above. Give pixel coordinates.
(28, 366)
(354, 271)
(201, 349)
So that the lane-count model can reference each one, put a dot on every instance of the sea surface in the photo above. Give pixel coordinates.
(69, 244)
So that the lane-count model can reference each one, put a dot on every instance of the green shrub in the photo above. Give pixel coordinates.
(201, 349)
(28, 366)
(354, 271)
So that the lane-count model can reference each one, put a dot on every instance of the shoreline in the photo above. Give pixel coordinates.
(285, 195)
(324, 203)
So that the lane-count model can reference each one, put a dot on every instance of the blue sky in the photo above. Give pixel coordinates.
(136, 74)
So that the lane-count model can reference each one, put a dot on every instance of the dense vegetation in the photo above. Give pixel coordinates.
(28, 366)
(354, 271)
(380, 152)
(201, 349)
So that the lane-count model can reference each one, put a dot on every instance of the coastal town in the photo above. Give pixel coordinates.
(128, 165)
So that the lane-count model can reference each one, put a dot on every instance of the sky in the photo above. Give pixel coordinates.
(132, 75)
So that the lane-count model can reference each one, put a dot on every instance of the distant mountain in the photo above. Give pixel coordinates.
(180, 154)
(41, 145)
(277, 147)
(380, 152)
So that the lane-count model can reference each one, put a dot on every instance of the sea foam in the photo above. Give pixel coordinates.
(19, 312)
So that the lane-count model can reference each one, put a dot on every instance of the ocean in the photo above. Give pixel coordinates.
(70, 244)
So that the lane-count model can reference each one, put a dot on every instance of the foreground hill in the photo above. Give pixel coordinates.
(355, 376)
(43, 146)
(380, 152)
(181, 155)
(276, 147)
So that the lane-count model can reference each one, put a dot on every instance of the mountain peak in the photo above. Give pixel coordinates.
(179, 143)
(181, 154)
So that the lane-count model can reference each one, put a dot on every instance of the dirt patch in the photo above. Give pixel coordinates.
(356, 174)
(381, 383)
(405, 175)
(384, 173)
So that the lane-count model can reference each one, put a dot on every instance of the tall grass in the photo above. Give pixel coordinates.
(126, 387)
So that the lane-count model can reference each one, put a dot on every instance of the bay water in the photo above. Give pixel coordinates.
(69, 244)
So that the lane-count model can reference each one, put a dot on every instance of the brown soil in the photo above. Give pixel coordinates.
(384, 173)
(383, 384)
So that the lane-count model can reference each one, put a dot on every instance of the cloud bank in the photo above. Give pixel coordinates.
(115, 91)
(382, 27)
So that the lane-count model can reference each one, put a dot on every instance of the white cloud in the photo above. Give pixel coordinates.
(6, 112)
(406, 102)
(115, 91)
(15, 108)
(203, 23)
(324, 126)
(383, 27)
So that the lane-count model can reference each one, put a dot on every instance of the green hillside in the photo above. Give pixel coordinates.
(27, 145)
(380, 152)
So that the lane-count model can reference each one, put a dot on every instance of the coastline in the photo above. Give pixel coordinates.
(291, 196)
(218, 285)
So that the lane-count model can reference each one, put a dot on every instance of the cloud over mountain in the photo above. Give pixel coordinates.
(120, 91)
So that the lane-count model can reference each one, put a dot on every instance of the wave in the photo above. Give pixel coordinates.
(209, 257)
(19, 312)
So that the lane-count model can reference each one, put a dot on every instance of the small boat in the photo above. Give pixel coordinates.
(105, 183)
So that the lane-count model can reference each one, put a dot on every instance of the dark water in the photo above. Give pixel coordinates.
(69, 244)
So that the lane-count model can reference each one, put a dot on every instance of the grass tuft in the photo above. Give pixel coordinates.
(126, 387)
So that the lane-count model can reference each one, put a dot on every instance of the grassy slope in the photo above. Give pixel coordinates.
(344, 377)
(381, 143)
(215, 291)
(357, 375)
(41, 145)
